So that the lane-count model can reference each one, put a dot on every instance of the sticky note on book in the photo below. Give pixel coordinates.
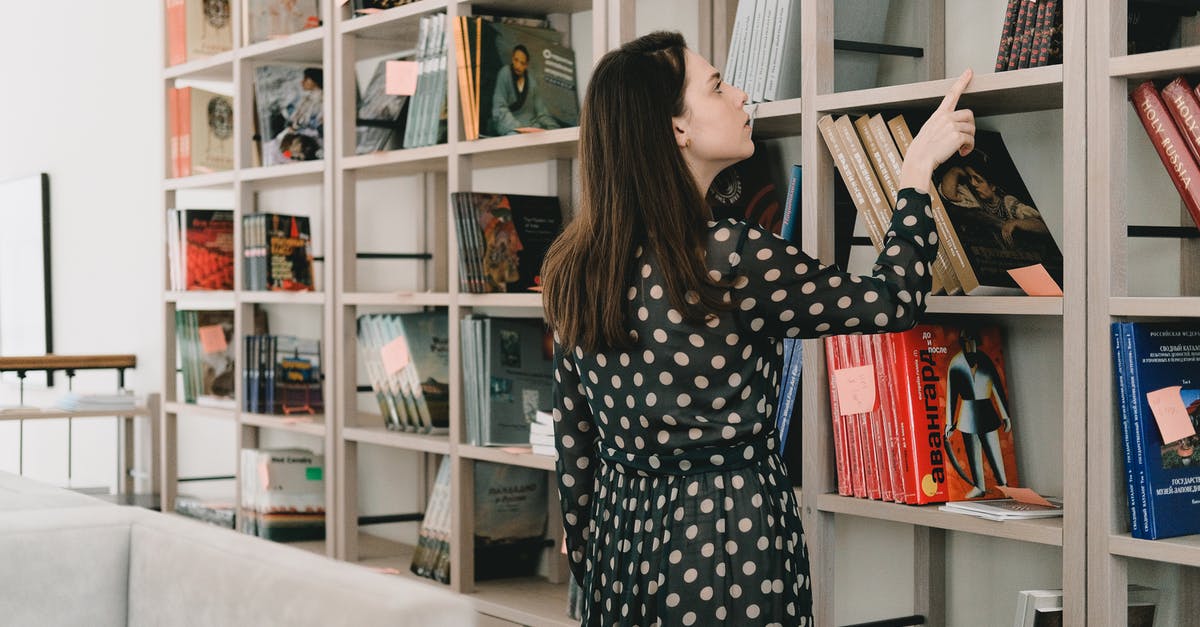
(395, 355)
(212, 339)
(1170, 414)
(855, 389)
(401, 78)
(1035, 281)
(1025, 495)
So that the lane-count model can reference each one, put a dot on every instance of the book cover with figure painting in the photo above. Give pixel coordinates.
(288, 100)
(504, 238)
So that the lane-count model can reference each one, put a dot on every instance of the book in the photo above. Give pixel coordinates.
(206, 249)
(197, 29)
(203, 131)
(507, 378)
(1170, 145)
(290, 117)
(381, 116)
(994, 218)
(747, 191)
(1164, 478)
(505, 237)
(1007, 32)
(511, 505)
(277, 253)
(1005, 509)
(274, 19)
(1044, 608)
(514, 78)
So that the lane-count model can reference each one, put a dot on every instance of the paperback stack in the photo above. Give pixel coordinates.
(381, 116)
(407, 359)
(426, 123)
(915, 413)
(1044, 608)
(75, 401)
(1032, 35)
(764, 50)
(502, 239)
(283, 494)
(275, 19)
(431, 558)
(507, 368)
(1170, 120)
(541, 434)
(1005, 509)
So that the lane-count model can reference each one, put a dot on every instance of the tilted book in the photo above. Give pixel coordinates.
(1170, 145)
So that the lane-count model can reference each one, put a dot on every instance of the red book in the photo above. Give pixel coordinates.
(840, 441)
(1006, 35)
(184, 120)
(884, 407)
(173, 129)
(1184, 107)
(1170, 144)
(176, 14)
(857, 455)
(902, 427)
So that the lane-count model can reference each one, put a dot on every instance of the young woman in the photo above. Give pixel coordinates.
(667, 325)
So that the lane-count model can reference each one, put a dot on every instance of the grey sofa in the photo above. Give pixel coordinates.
(67, 559)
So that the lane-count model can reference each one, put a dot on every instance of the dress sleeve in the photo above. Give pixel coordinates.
(783, 292)
(574, 438)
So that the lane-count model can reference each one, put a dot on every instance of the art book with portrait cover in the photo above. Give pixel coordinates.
(290, 118)
(503, 239)
(996, 223)
(1159, 360)
(514, 78)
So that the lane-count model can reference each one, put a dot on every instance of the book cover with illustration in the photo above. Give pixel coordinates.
(507, 237)
(1163, 477)
(959, 405)
(520, 79)
(288, 100)
(381, 116)
(208, 249)
(510, 519)
(289, 251)
(209, 134)
(994, 218)
(428, 337)
(518, 378)
(273, 19)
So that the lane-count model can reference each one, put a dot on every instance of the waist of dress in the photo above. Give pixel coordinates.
(696, 461)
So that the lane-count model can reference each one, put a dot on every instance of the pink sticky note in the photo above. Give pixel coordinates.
(212, 339)
(518, 450)
(395, 355)
(855, 389)
(1035, 281)
(1170, 414)
(401, 78)
(1025, 495)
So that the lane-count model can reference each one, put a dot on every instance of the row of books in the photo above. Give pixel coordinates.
(407, 359)
(202, 28)
(1032, 35)
(514, 76)
(764, 50)
(1044, 608)
(200, 249)
(1170, 119)
(282, 494)
(204, 339)
(200, 131)
(987, 221)
(282, 375)
(502, 239)
(915, 413)
(427, 110)
(510, 523)
(1157, 371)
(507, 367)
(277, 253)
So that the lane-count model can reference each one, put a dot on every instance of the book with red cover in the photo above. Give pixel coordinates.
(1170, 145)
(868, 429)
(838, 357)
(1184, 107)
(208, 258)
(840, 442)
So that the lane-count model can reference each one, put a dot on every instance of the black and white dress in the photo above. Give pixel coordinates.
(676, 505)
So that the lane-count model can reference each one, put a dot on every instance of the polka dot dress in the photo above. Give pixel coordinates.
(677, 508)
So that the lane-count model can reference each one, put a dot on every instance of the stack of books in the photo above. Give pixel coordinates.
(764, 50)
(200, 249)
(1032, 35)
(283, 494)
(75, 401)
(1005, 509)
(541, 434)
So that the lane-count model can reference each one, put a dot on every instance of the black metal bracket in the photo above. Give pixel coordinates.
(874, 48)
(1171, 232)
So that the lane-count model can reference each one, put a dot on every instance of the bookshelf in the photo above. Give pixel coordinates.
(1127, 186)
(1070, 390)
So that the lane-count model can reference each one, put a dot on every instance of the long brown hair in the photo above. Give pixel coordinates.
(636, 190)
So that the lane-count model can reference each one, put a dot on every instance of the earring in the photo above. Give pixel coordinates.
(687, 143)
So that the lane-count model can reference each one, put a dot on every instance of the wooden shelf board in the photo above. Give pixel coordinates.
(1040, 531)
(381, 436)
(1016, 91)
(218, 67)
(1155, 306)
(213, 179)
(191, 409)
(393, 162)
(284, 171)
(494, 454)
(302, 47)
(529, 601)
(392, 24)
(1184, 550)
(997, 305)
(306, 424)
(531, 300)
(201, 300)
(1162, 64)
(560, 143)
(36, 413)
(404, 299)
(529, 6)
(778, 119)
(282, 298)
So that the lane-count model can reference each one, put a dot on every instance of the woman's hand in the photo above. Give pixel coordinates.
(946, 132)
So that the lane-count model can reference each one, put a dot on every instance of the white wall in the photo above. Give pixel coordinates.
(82, 103)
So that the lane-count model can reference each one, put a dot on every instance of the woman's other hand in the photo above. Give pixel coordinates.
(946, 132)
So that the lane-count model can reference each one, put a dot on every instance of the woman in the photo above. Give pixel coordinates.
(675, 503)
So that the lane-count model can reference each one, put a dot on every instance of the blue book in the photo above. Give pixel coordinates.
(1161, 355)
(1133, 475)
(789, 387)
(790, 230)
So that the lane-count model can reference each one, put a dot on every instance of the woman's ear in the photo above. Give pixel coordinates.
(681, 134)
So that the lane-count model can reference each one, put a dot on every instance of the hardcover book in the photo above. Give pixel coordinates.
(505, 237)
(994, 218)
(510, 519)
(1164, 478)
(1170, 144)
(288, 100)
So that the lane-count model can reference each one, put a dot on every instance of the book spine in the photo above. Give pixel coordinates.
(176, 14)
(1014, 51)
(858, 194)
(735, 41)
(879, 430)
(1169, 144)
(841, 440)
(867, 440)
(1137, 422)
(924, 417)
(1006, 35)
(1182, 104)
(185, 131)
(173, 126)
(1051, 25)
(779, 38)
(1121, 369)
(1035, 39)
(765, 47)
(947, 237)
(902, 426)
(1027, 30)
(791, 210)
(886, 408)
(875, 157)
(462, 52)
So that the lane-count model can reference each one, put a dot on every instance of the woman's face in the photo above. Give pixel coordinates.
(519, 62)
(983, 189)
(713, 118)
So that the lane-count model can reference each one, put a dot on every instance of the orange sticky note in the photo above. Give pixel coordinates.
(1025, 495)
(855, 389)
(401, 78)
(395, 355)
(517, 450)
(1035, 281)
(212, 339)
(1170, 414)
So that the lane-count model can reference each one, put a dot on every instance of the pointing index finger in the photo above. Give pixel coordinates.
(950, 102)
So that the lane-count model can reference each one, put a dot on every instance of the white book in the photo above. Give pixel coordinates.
(752, 50)
(741, 28)
(783, 75)
(765, 44)
(743, 51)
(545, 451)
(1004, 509)
(537, 428)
